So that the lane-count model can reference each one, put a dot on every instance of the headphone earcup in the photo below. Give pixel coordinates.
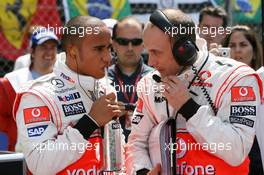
(184, 52)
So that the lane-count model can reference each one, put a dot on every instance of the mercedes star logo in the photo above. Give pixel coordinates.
(57, 82)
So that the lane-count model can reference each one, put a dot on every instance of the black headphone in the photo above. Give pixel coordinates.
(184, 49)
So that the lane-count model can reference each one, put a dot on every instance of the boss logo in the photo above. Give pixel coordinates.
(242, 110)
(36, 131)
(73, 109)
(69, 97)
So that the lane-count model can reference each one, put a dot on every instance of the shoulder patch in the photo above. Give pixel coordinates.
(242, 93)
(36, 114)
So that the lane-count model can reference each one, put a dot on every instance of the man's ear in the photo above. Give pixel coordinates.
(114, 45)
(72, 51)
(32, 52)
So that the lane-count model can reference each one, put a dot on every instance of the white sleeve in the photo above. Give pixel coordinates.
(234, 125)
(260, 121)
(260, 131)
(46, 151)
(137, 154)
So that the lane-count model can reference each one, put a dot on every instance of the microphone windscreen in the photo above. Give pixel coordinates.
(156, 78)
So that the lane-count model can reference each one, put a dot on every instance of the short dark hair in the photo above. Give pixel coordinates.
(214, 11)
(114, 34)
(78, 22)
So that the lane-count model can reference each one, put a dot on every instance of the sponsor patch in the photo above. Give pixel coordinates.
(36, 131)
(242, 110)
(115, 125)
(36, 114)
(69, 97)
(67, 78)
(57, 82)
(139, 105)
(136, 119)
(204, 75)
(158, 98)
(73, 109)
(242, 121)
(65, 90)
(242, 93)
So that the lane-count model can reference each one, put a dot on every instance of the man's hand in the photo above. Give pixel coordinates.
(105, 109)
(175, 91)
(156, 170)
(213, 48)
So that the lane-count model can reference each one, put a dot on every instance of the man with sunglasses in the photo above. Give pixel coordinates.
(129, 66)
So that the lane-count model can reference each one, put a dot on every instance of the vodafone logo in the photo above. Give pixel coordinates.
(204, 75)
(181, 147)
(243, 91)
(36, 112)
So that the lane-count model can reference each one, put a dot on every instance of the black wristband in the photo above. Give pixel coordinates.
(86, 126)
(189, 108)
(143, 171)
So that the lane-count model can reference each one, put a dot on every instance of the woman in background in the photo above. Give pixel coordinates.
(245, 47)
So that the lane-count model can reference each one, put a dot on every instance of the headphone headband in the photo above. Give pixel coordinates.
(184, 49)
(159, 19)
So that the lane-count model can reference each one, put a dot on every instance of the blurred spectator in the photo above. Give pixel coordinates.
(212, 24)
(110, 24)
(24, 60)
(129, 66)
(246, 48)
(43, 56)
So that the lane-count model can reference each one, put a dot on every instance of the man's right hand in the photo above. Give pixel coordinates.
(105, 109)
(156, 170)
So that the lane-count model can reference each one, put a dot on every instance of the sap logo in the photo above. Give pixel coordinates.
(158, 98)
(67, 78)
(36, 131)
(242, 110)
(73, 109)
(136, 119)
(82, 171)
(70, 97)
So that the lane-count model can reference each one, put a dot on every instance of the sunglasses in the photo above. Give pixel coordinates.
(125, 41)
